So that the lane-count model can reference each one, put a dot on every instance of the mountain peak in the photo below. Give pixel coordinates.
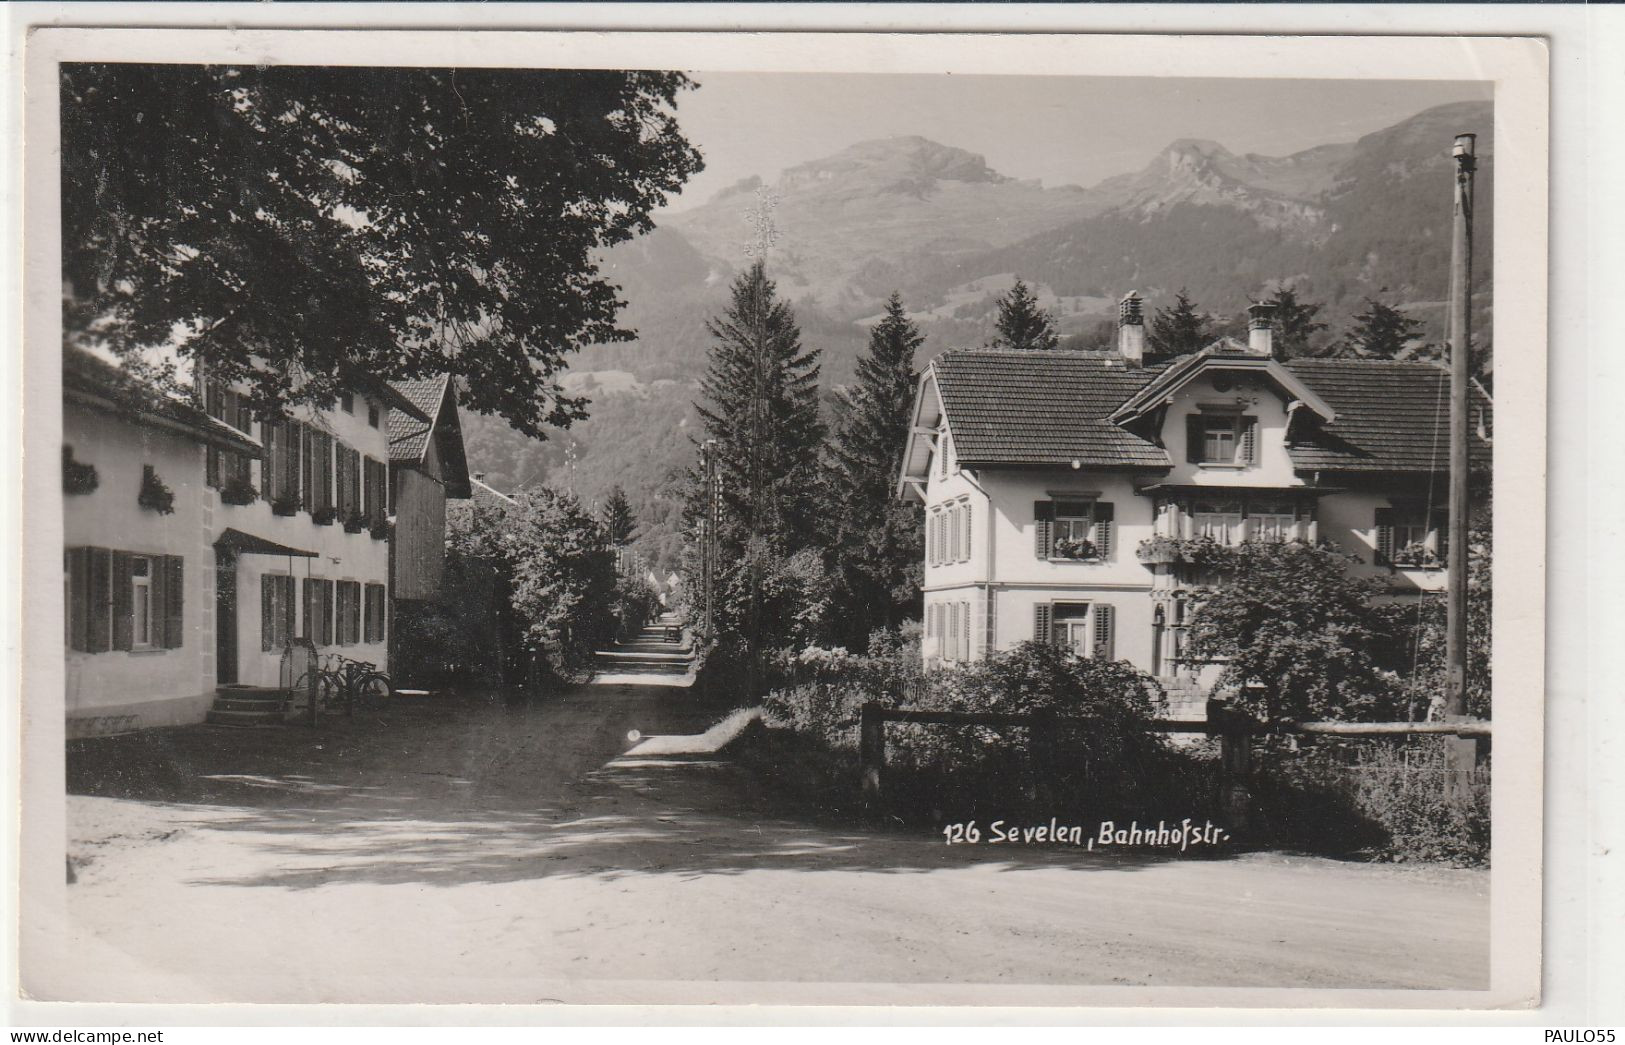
(907, 158)
(1202, 147)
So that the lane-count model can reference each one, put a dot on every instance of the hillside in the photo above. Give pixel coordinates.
(1337, 223)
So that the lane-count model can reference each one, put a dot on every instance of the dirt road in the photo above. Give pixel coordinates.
(477, 851)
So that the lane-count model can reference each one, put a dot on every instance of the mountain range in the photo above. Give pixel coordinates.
(1337, 223)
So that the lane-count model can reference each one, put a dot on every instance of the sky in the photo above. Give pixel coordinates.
(1062, 130)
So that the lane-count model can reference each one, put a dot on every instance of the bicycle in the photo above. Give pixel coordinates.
(359, 680)
(337, 683)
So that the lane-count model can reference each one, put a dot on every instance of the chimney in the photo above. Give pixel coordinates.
(479, 477)
(1261, 328)
(1131, 329)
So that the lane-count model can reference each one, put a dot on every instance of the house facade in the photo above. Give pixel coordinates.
(1065, 492)
(427, 465)
(272, 531)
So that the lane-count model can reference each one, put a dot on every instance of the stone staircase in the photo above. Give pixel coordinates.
(651, 653)
(249, 706)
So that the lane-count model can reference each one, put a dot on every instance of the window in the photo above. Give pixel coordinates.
(1077, 530)
(349, 613)
(1221, 438)
(1219, 520)
(141, 601)
(348, 470)
(276, 611)
(942, 454)
(374, 416)
(283, 441)
(375, 477)
(123, 601)
(347, 402)
(376, 611)
(226, 406)
(1411, 535)
(318, 596)
(1088, 629)
(1272, 520)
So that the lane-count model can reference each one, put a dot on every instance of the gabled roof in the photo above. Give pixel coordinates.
(1042, 408)
(435, 400)
(96, 383)
(1219, 356)
(1391, 417)
(1010, 408)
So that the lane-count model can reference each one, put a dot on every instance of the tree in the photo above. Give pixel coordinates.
(1295, 325)
(878, 537)
(302, 230)
(761, 406)
(620, 525)
(1022, 325)
(562, 579)
(1381, 331)
(1179, 330)
(1299, 634)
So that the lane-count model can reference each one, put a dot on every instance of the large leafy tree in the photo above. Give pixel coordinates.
(878, 537)
(1021, 323)
(562, 579)
(1298, 633)
(1178, 330)
(1295, 324)
(1382, 331)
(300, 229)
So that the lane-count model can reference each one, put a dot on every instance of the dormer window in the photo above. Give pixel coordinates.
(1225, 439)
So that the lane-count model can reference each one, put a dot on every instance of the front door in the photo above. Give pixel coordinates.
(225, 617)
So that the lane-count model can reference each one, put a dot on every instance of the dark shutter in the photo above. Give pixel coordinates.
(156, 601)
(1249, 440)
(307, 597)
(327, 613)
(1384, 524)
(1105, 529)
(99, 599)
(1043, 519)
(267, 612)
(1041, 623)
(1105, 632)
(174, 608)
(123, 603)
(964, 630)
(965, 531)
(307, 466)
(1194, 437)
(367, 609)
(78, 608)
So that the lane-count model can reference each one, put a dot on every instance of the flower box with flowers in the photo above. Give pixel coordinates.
(285, 506)
(1074, 549)
(325, 516)
(379, 529)
(155, 494)
(355, 522)
(1418, 556)
(238, 492)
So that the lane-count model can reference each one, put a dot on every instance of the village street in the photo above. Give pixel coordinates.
(476, 851)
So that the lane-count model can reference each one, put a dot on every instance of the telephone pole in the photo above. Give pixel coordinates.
(1461, 339)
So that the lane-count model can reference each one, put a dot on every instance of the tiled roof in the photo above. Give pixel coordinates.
(408, 435)
(1391, 417)
(1013, 407)
(1051, 408)
(105, 385)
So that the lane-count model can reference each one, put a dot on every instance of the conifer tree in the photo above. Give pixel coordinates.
(761, 406)
(1179, 330)
(620, 525)
(1022, 324)
(1381, 331)
(878, 536)
(1295, 325)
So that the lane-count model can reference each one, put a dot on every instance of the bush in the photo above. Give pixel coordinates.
(1383, 800)
(636, 601)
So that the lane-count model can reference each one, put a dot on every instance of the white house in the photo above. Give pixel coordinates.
(272, 531)
(1047, 478)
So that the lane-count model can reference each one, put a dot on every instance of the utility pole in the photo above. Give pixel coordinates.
(1461, 339)
(708, 533)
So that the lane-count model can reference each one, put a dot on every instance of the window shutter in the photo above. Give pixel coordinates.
(307, 595)
(964, 630)
(1041, 623)
(1043, 520)
(157, 600)
(99, 599)
(1105, 631)
(123, 603)
(368, 619)
(174, 609)
(267, 611)
(1193, 438)
(76, 563)
(1385, 536)
(1442, 543)
(1105, 529)
(965, 552)
(1249, 440)
(327, 613)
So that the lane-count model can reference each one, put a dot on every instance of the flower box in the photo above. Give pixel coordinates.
(1069, 550)
(1417, 557)
(380, 530)
(77, 476)
(325, 516)
(239, 492)
(285, 506)
(154, 493)
(355, 522)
